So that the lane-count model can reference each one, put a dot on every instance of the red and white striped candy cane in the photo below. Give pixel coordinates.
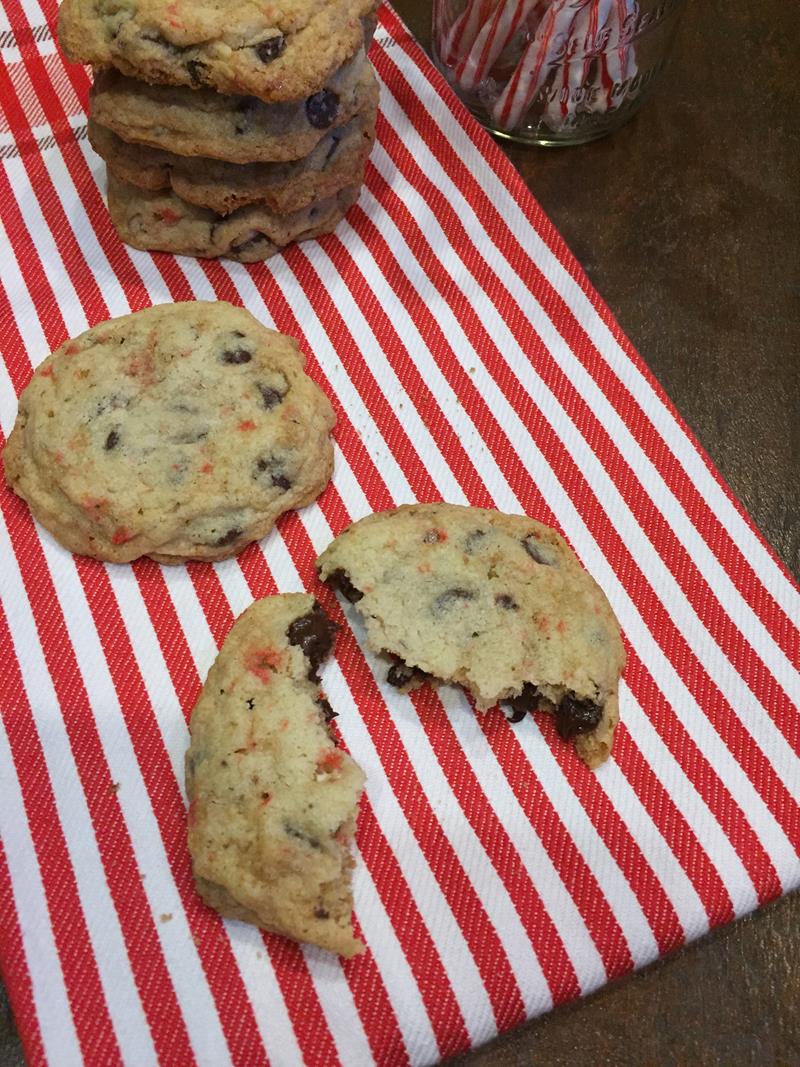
(536, 62)
(566, 99)
(453, 44)
(621, 59)
(490, 41)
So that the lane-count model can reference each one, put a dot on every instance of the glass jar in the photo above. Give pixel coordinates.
(553, 72)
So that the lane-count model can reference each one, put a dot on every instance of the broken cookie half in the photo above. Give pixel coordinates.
(496, 603)
(272, 799)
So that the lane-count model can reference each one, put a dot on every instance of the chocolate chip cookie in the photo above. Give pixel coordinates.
(163, 222)
(272, 799)
(238, 129)
(181, 432)
(276, 52)
(496, 603)
(336, 162)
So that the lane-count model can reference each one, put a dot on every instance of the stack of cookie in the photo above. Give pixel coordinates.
(228, 128)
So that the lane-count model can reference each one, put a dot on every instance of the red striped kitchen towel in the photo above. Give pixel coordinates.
(470, 360)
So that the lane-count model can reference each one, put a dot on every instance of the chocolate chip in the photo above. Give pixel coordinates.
(236, 356)
(301, 835)
(321, 913)
(313, 634)
(449, 598)
(246, 244)
(196, 71)
(340, 580)
(228, 538)
(575, 716)
(508, 603)
(473, 540)
(402, 676)
(271, 397)
(271, 48)
(522, 703)
(336, 139)
(271, 465)
(322, 108)
(251, 704)
(247, 109)
(111, 403)
(189, 437)
(111, 441)
(534, 550)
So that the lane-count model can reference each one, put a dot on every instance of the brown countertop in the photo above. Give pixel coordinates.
(687, 223)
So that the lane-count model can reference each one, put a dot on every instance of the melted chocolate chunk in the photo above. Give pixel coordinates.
(522, 703)
(313, 634)
(508, 603)
(450, 598)
(236, 356)
(534, 550)
(322, 108)
(327, 710)
(340, 580)
(321, 913)
(271, 48)
(516, 716)
(280, 481)
(270, 397)
(196, 71)
(301, 835)
(111, 441)
(575, 716)
(401, 675)
(228, 538)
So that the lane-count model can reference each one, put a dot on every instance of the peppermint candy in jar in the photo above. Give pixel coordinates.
(553, 72)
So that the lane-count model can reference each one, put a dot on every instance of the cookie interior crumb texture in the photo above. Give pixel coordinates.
(272, 799)
(498, 604)
(180, 432)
